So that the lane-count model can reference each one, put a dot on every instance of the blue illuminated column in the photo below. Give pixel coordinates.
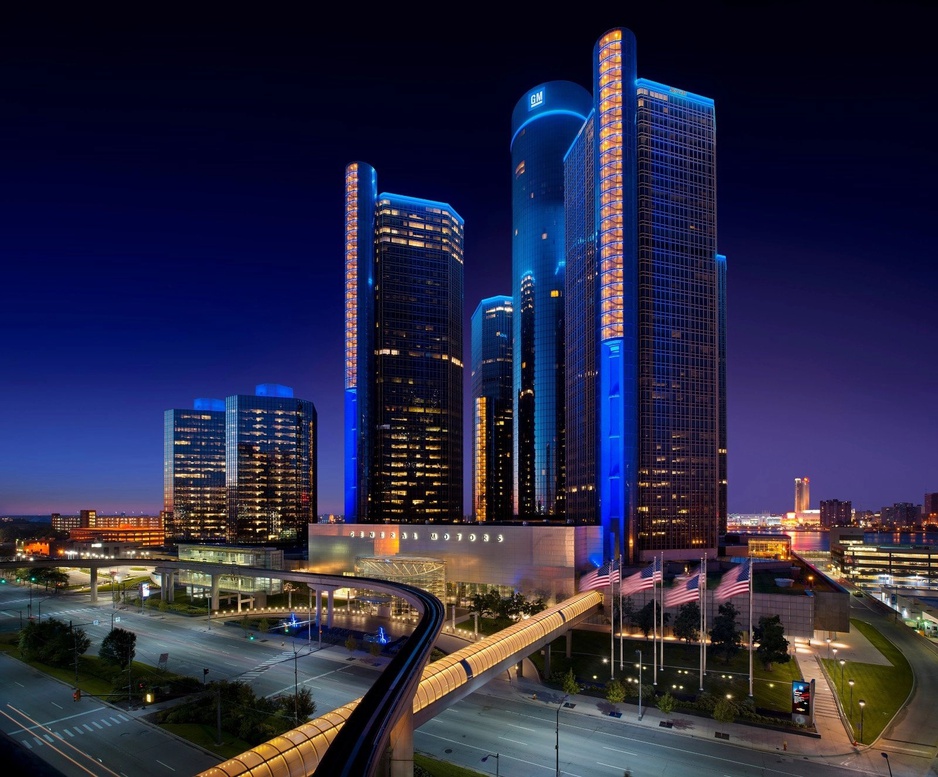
(544, 123)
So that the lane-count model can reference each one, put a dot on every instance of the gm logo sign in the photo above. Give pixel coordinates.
(536, 99)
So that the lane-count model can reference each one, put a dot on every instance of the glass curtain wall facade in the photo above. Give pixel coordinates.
(544, 123)
(270, 465)
(642, 253)
(194, 504)
(404, 360)
(679, 322)
(492, 409)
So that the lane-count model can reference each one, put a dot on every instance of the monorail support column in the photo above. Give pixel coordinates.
(547, 660)
(216, 583)
(330, 607)
(570, 643)
(402, 745)
(94, 585)
(519, 669)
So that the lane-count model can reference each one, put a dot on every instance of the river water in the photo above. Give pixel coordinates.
(807, 541)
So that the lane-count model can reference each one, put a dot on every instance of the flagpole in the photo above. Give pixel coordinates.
(707, 603)
(621, 622)
(612, 629)
(703, 621)
(654, 620)
(662, 611)
(750, 627)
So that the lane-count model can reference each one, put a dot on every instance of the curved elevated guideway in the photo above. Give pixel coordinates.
(352, 740)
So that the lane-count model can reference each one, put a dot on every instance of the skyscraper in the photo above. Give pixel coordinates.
(194, 502)
(491, 384)
(834, 512)
(645, 315)
(270, 468)
(403, 356)
(802, 495)
(543, 124)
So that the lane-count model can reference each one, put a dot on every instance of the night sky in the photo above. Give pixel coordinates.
(172, 220)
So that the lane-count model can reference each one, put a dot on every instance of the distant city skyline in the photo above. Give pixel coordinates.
(173, 229)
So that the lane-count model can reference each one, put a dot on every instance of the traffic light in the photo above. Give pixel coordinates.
(76, 696)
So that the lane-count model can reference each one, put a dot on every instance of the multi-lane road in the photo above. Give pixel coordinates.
(92, 737)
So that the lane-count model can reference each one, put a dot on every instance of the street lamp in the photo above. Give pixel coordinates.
(843, 663)
(557, 732)
(862, 704)
(886, 756)
(850, 683)
(828, 648)
(495, 756)
(639, 654)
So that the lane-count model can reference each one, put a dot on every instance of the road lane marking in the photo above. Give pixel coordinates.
(513, 740)
(524, 728)
(162, 764)
(626, 752)
(56, 705)
(97, 725)
(89, 728)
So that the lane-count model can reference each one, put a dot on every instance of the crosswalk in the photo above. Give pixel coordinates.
(257, 671)
(88, 614)
(109, 721)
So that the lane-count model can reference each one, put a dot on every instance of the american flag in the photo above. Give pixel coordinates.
(734, 582)
(684, 590)
(645, 578)
(607, 574)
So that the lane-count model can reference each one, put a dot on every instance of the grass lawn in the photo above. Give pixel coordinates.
(883, 688)
(679, 674)
(206, 736)
(436, 768)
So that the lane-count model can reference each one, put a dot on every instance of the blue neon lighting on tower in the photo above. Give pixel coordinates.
(403, 357)
(544, 122)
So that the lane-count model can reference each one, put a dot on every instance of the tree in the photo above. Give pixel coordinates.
(724, 711)
(351, 644)
(570, 686)
(486, 604)
(305, 706)
(53, 642)
(667, 703)
(263, 625)
(725, 637)
(773, 647)
(645, 618)
(119, 647)
(615, 691)
(375, 649)
(687, 622)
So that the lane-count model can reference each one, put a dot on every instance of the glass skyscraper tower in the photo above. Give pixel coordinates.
(543, 124)
(645, 382)
(194, 472)
(270, 467)
(403, 356)
(492, 410)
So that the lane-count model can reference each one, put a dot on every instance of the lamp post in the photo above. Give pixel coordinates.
(886, 756)
(495, 756)
(850, 683)
(557, 733)
(843, 663)
(862, 704)
(828, 648)
(639, 654)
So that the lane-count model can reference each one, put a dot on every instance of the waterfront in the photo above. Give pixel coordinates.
(819, 541)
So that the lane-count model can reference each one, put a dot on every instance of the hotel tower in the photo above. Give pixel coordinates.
(644, 390)
(403, 356)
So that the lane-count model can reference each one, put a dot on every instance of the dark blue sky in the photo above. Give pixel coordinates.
(171, 223)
